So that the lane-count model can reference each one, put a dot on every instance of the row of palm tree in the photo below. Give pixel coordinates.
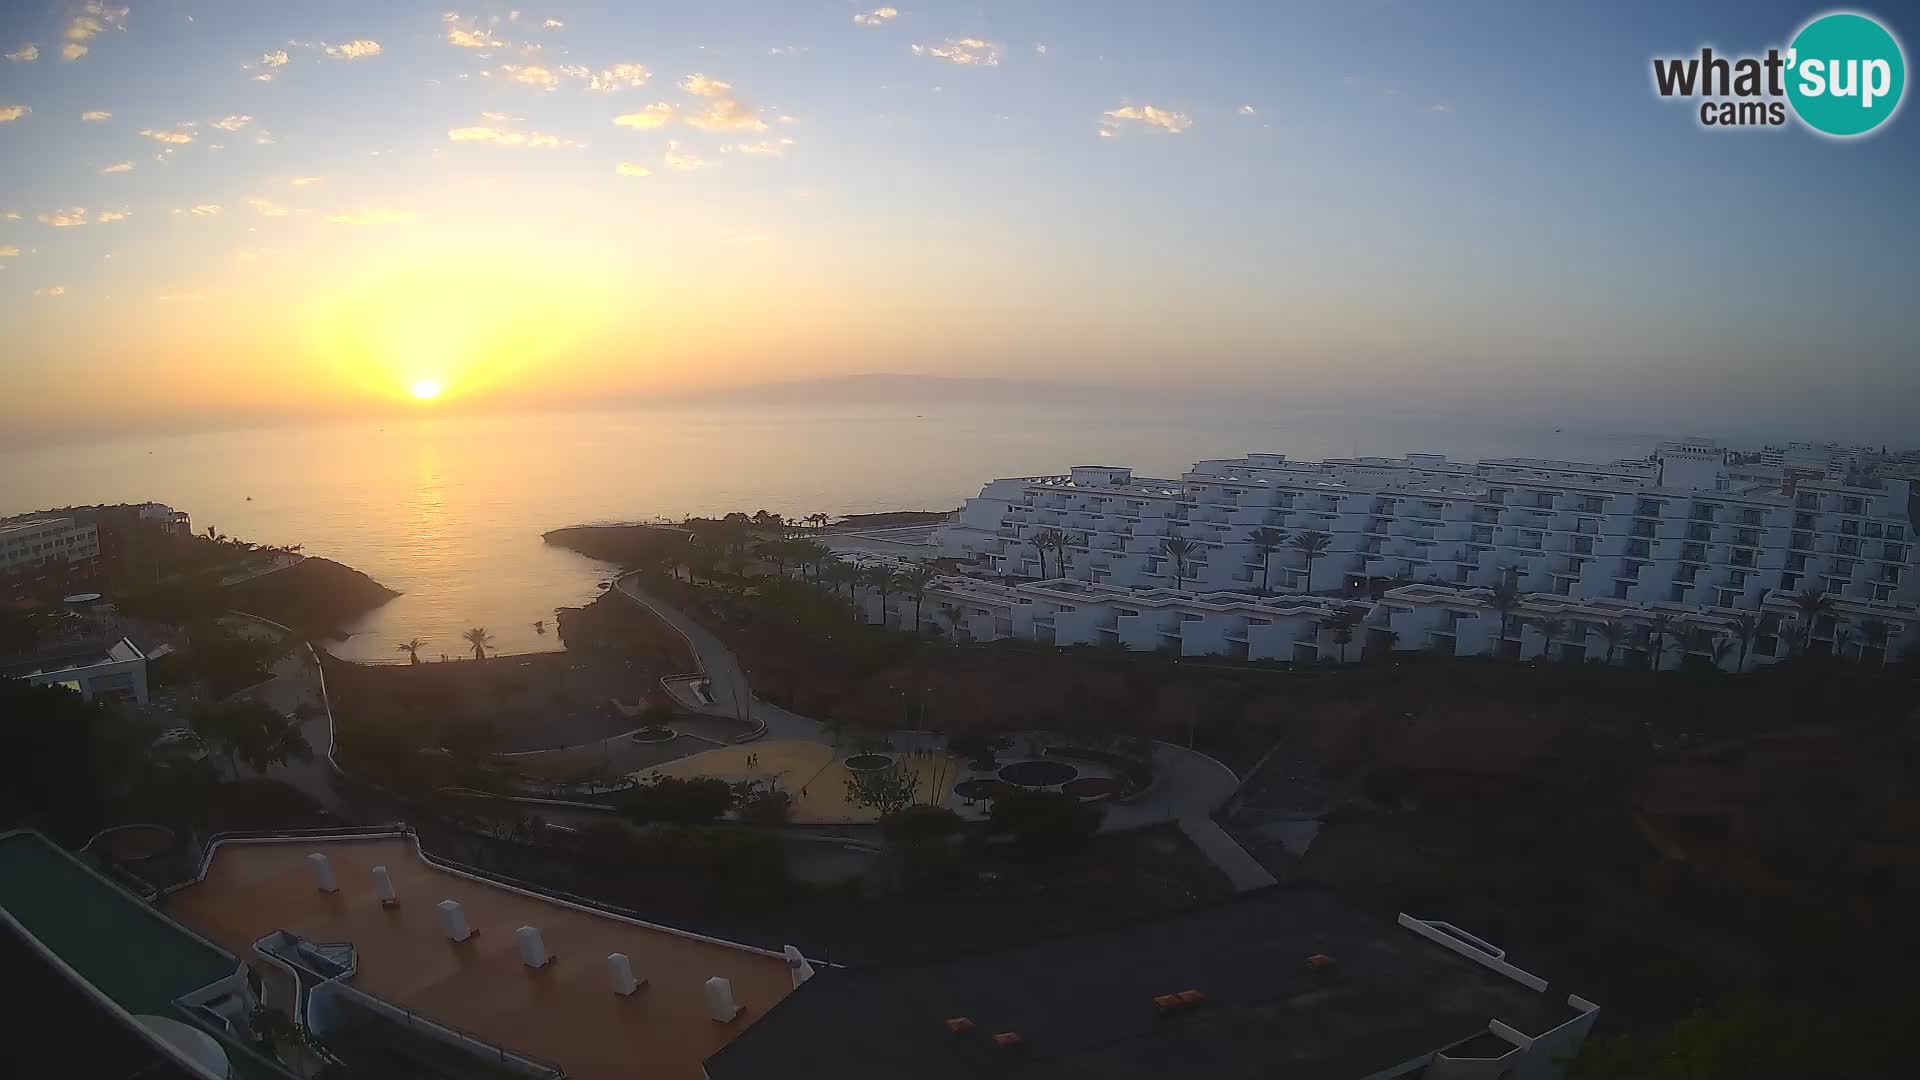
(887, 582)
(1311, 543)
(477, 638)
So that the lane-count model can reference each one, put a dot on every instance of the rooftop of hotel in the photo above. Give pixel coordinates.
(1084, 1006)
(75, 658)
(563, 1012)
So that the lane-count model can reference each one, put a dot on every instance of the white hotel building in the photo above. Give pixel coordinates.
(1682, 535)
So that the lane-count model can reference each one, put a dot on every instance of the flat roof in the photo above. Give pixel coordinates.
(1083, 1006)
(564, 1013)
(131, 952)
(77, 658)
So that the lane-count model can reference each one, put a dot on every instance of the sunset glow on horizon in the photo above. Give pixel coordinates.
(284, 210)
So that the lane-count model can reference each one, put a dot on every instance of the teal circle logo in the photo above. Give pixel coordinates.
(1845, 73)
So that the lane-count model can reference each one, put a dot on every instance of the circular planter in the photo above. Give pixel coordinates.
(868, 762)
(131, 843)
(1038, 773)
(1090, 787)
(986, 790)
(655, 735)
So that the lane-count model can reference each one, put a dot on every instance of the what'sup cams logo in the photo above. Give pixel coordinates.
(1842, 76)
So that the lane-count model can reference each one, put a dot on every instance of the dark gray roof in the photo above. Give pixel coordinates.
(1084, 1005)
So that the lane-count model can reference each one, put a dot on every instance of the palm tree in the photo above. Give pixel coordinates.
(1874, 632)
(1179, 549)
(882, 580)
(1265, 542)
(1342, 624)
(479, 639)
(1722, 647)
(1060, 541)
(1746, 627)
(1809, 605)
(411, 647)
(1615, 633)
(540, 627)
(1657, 632)
(818, 521)
(1555, 628)
(1506, 598)
(1312, 543)
(953, 615)
(914, 583)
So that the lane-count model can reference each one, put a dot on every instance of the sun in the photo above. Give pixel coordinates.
(426, 389)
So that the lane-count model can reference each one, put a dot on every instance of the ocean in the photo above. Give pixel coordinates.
(449, 509)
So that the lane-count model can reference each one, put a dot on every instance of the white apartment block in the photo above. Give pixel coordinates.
(32, 541)
(1681, 534)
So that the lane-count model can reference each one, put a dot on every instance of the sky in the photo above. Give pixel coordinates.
(277, 209)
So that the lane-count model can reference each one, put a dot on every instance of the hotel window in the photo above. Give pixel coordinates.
(1850, 528)
(1699, 532)
(1789, 581)
(1846, 547)
(1850, 506)
(1750, 517)
(1544, 499)
(1807, 501)
(1896, 532)
(1843, 567)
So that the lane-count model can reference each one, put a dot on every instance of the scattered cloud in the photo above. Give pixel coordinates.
(786, 50)
(684, 160)
(531, 75)
(619, 77)
(467, 33)
(1149, 116)
(553, 24)
(93, 18)
(25, 54)
(656, 115)
(496, 130)
(206, 210)
(305, 181)
(51, 290)
(108, 217)
(877, 17)
(173, 136)
(10, 113)
(92, 115)
(64, 219)
(274, 59)
(8, 251)
(964, 51)
(1248, 110)
(233, 123)
(357, 49)
(119, 167)
(725, 111)
(632, 168)
(1041, 47)
(1440, 108)
(267, 208)
(372, 217)
(271, 62)
(770, 147)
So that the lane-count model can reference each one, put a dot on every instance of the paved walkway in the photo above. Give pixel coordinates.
(1242, 869)
(726, 682)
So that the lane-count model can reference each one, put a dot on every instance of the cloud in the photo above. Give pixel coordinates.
(267, 208)
(632, 168)
(656, 115)
(876, 17)
(618, 77)
(169, 136)
(10, 113)
(496, 131)
(274, 59)
(965, 51)
(206, 210)
(358, 49)
(553, 24)
(1041, 47)
(724, 112)
(685, 161)
(305, 181)
(119, 167)
(1248, 110)
(8, 251)
(94, 17)
(51, 290)
(786, 50)
(108, 217)
(466, 33)
(770, 147)
(64, 219)
(233, 122)
(1440, 108)
(532, 75)
(1150, 116)
(25, 54)
(372, 217)
(96, 114)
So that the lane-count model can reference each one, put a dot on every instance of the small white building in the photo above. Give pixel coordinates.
(27, 542)
(115, 670)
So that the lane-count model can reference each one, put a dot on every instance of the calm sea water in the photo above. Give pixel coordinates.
(449, 510)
